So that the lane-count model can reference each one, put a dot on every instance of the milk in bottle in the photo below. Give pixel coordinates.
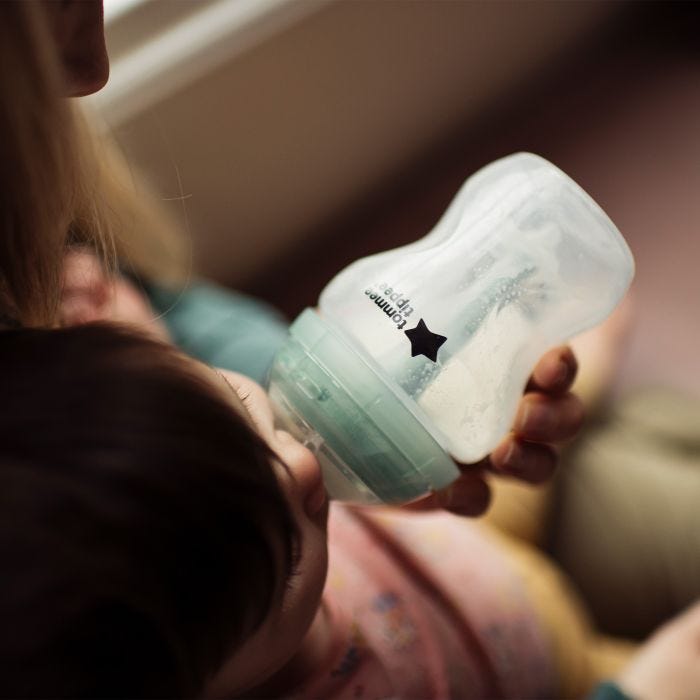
(419, 355)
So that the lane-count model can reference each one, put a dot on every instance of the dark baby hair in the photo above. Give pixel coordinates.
(140, 519)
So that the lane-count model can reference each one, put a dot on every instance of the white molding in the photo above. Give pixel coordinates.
(197, 38)
(114, 9)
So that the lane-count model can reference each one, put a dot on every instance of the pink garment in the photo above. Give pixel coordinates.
(425, 605)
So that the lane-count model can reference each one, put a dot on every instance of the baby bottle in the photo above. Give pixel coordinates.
(418, 356)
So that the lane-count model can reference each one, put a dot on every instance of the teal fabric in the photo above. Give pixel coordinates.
(220, 327)
(608, 691)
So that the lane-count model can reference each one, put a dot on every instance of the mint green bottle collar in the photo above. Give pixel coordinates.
(370, 445)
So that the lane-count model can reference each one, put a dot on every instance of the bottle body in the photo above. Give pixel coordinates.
(523, 260)
(453, 324)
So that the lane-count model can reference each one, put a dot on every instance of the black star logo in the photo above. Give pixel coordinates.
(424, 342)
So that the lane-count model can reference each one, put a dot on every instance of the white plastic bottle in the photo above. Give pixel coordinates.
(420, 354)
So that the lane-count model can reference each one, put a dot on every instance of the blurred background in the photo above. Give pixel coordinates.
(293, 136)
(304, 134)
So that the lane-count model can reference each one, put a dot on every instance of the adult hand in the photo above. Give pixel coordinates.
(668, 665)
(91, 294)
(548, 414)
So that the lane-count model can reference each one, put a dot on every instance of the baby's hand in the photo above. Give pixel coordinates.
(548, 413)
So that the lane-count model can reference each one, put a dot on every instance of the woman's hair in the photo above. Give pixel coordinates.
(38, 173)
(60, 184)
(140, 519)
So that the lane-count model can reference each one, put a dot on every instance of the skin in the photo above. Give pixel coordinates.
(293, 639)
(668, 666)
(88, 294)
(284, 634)
(548, 412)
(77, 27)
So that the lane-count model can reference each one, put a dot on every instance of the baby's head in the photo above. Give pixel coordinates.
(158, 536)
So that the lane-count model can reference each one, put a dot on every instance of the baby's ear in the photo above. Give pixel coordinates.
(86, 289)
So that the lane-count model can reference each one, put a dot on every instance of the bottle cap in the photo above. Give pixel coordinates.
(371, 444)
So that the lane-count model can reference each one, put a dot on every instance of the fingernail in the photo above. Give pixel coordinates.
(512, 463)
(472, 501)
(560, 376)
(445, 496)
(509, 456)
(537, 420)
